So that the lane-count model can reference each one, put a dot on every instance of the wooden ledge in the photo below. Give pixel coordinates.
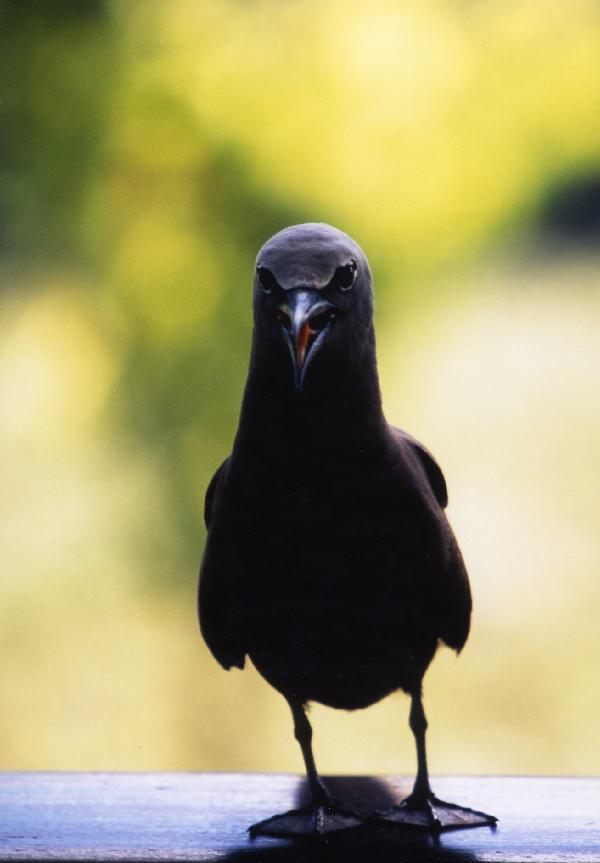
(204, 816)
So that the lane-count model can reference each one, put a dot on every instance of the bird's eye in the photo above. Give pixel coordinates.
(266, 279)
(344, 276)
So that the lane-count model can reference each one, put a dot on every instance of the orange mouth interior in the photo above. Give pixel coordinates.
(302, 343)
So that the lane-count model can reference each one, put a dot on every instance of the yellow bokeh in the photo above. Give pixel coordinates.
(151, 149)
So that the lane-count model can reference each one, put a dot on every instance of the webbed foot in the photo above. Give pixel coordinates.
(426, 811)
(316, 819)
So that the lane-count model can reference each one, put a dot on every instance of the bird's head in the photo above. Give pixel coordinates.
(313, 294)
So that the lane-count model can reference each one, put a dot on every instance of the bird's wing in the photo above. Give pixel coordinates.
(211, 491)
(454, 591)
(218, 601)
(456, 621)
(433, 471)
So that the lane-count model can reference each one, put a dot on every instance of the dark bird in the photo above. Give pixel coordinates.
(329, 559)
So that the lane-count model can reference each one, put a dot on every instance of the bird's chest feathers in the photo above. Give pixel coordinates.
(322, 524)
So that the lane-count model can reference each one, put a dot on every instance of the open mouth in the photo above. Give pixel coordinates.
(305, 324)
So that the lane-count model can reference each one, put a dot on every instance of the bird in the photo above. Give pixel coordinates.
(329, 560)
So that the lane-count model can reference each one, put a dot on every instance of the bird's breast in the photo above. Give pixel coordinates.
(332, 582)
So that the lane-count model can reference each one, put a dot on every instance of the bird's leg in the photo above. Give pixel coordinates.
(422, 795)
(422, 808)
(303, 734)
(323, 814)
(418, 725)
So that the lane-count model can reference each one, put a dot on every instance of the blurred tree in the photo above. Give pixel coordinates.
(147, 149)
(58, 66)
(570, 210)
(154, 148)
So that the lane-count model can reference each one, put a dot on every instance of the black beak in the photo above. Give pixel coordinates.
(306, 319)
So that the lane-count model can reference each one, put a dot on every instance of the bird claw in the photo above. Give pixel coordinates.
(316, 819)
(430, 813)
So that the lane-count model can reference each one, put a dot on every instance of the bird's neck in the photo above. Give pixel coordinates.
(339, 405)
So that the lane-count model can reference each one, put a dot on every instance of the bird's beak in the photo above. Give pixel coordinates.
(306, 319)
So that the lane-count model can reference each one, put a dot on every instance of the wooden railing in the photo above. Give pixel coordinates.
(196, 816)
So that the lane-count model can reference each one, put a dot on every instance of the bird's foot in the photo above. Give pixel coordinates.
(426, 811)
(318, 818)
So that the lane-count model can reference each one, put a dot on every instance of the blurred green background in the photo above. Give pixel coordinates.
(147, 150)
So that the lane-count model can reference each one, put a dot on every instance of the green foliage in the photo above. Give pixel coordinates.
(153, 149)
(147, 151)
